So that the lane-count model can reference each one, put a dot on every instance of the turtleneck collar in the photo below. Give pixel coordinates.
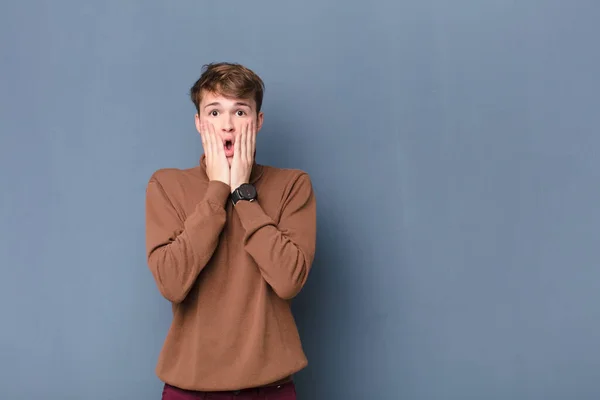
(256, 173)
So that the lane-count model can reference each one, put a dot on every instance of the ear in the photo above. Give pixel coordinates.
(197, 121)
(259, 121)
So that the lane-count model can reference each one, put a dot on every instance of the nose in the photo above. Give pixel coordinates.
(227, 124)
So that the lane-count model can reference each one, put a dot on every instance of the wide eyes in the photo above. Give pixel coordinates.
(239, 113)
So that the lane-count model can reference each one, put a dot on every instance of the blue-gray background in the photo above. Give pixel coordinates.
(453, 147)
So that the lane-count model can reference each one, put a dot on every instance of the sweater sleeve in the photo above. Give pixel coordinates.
(284, 252)
(177, 249)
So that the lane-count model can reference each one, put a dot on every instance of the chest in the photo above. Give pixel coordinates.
(231, 239)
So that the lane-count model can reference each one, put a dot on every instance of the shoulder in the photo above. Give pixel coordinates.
(171, 179)
(168, 175)
(286, 177)
(288, 182)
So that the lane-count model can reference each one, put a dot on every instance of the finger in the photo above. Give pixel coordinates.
(214, 140)
(203, 136)
(245, 144)
(251, 142)
(207, 139)
(237, 147)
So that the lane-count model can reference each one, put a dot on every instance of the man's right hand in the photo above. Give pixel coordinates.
(217, 167)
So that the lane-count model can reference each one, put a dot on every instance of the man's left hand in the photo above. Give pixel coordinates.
(243, 156)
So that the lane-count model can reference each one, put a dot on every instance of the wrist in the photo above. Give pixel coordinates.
(223, 181)
(244, 192)
(217, 192)
(235, 186)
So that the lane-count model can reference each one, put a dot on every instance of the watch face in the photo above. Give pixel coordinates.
(247, 191)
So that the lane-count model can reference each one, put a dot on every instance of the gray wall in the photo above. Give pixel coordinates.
(453, 147)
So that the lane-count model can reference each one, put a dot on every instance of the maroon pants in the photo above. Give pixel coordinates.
(285, 391)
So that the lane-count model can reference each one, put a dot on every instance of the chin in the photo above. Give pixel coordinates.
(229, 161)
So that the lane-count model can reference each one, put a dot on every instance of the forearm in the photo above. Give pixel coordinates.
(282, 263)
(176, 265)
(284, 259)
(177, 259)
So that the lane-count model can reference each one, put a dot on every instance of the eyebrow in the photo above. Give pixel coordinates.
(239, 103)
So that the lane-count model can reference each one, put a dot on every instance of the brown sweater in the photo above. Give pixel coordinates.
(230, 273)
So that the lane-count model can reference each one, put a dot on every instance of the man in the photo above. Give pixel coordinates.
(230, 243)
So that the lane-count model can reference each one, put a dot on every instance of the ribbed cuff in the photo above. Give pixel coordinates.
(217, 193)
(252, 216)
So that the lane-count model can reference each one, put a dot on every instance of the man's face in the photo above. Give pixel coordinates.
(228, 116)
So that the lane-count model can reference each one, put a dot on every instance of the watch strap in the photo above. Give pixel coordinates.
(238, 194)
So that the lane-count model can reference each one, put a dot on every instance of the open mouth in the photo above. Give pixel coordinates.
(228, 146)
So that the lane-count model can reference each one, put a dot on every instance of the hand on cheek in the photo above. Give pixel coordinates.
(217, 167)
(243, 156)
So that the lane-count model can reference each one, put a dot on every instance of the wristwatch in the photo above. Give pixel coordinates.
(246, 192)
